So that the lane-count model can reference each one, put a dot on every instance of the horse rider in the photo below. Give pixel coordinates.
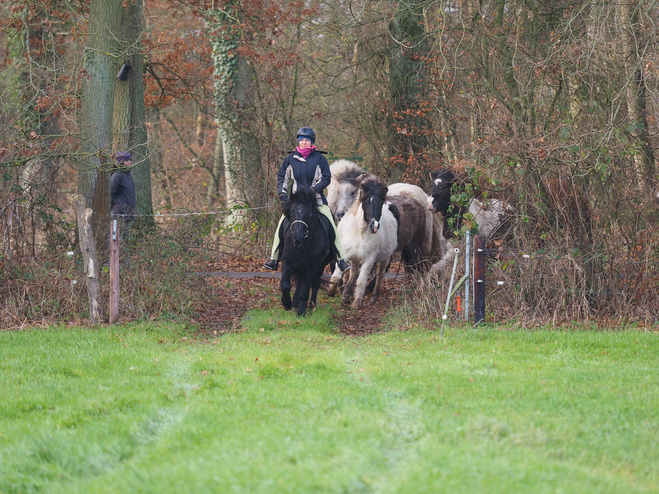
(306, 167)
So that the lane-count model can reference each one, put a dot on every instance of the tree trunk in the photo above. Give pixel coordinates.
(233, 87)
(101, 66)
(636, 90)
(199, 130)
(469, 12)
(213, 191)
(130, 132)
(406, 85)
(156, 158)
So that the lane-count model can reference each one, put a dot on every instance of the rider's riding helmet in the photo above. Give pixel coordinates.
(307, 132)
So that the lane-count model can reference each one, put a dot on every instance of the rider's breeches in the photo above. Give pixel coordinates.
(328, 214)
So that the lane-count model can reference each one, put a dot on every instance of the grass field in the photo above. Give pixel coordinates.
(292, 406)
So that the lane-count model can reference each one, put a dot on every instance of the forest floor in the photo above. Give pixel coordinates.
(238, 285)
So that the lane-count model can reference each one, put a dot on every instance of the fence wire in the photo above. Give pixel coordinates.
(55, 281)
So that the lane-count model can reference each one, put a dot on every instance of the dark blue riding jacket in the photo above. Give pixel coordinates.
(310, 172)
(122, 192)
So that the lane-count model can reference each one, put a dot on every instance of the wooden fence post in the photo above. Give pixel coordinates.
(467, 273)
(114, 272)
(88, 249)
(479, 279)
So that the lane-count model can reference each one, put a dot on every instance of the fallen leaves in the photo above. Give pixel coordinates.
(230, 298)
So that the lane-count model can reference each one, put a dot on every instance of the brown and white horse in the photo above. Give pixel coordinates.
(369, 232)
(420, 238)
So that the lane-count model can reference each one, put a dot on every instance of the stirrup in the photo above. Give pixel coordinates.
(271, 264)
(344, 264)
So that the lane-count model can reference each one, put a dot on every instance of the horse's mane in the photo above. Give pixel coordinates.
(483, 185)
(374, 186)
(305, 196)
(370, 186)
(339, 166)
(347, 171)
(449, 175)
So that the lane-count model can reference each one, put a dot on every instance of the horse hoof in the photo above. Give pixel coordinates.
(373, 300)
(357, 304)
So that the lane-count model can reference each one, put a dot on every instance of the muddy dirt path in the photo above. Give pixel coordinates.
(241, 285)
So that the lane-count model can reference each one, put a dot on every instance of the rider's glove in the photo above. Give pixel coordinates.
(283, 198)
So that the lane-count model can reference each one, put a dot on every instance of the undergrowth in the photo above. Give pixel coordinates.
(156, 281)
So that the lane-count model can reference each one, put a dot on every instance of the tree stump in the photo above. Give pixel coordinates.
(91, 265)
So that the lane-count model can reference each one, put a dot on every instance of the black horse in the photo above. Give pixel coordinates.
(307, 240)
(493, 216)
(440, 195)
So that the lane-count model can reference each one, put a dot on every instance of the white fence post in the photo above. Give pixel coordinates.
(114, 272)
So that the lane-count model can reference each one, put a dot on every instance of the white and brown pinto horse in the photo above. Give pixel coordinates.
(369, 232)
(420, 237)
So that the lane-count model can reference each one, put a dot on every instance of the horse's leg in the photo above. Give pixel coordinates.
(296, 294)
(315, 284)
(334, 282)
(371, 284)
(350, 284)
(360, 288)
(381, 269)
(285, 287)
(303, 299)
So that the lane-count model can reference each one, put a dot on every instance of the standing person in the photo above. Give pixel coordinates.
(122, 192)
(305, 167)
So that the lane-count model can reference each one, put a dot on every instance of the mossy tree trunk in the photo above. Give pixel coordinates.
(233, 87)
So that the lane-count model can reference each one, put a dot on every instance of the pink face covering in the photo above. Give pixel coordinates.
(306, 151)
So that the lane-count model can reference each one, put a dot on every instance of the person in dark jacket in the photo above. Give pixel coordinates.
(122, 193)
(306, 167)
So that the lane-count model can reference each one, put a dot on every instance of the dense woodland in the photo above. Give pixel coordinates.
(511, 92)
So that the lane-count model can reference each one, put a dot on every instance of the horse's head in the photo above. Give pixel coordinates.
(299, 211)
(346, 190)
(372, 195)
(440, 191)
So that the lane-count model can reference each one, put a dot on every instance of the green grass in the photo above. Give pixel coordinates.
(289, 405)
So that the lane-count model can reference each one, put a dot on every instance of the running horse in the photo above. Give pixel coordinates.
(420, 237)
(369, 235)
(307, 239)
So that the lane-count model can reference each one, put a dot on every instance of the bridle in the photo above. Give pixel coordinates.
(306, 234)
(305, 223)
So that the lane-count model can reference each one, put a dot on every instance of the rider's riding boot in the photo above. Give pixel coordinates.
(344, 264)
(271, 264)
